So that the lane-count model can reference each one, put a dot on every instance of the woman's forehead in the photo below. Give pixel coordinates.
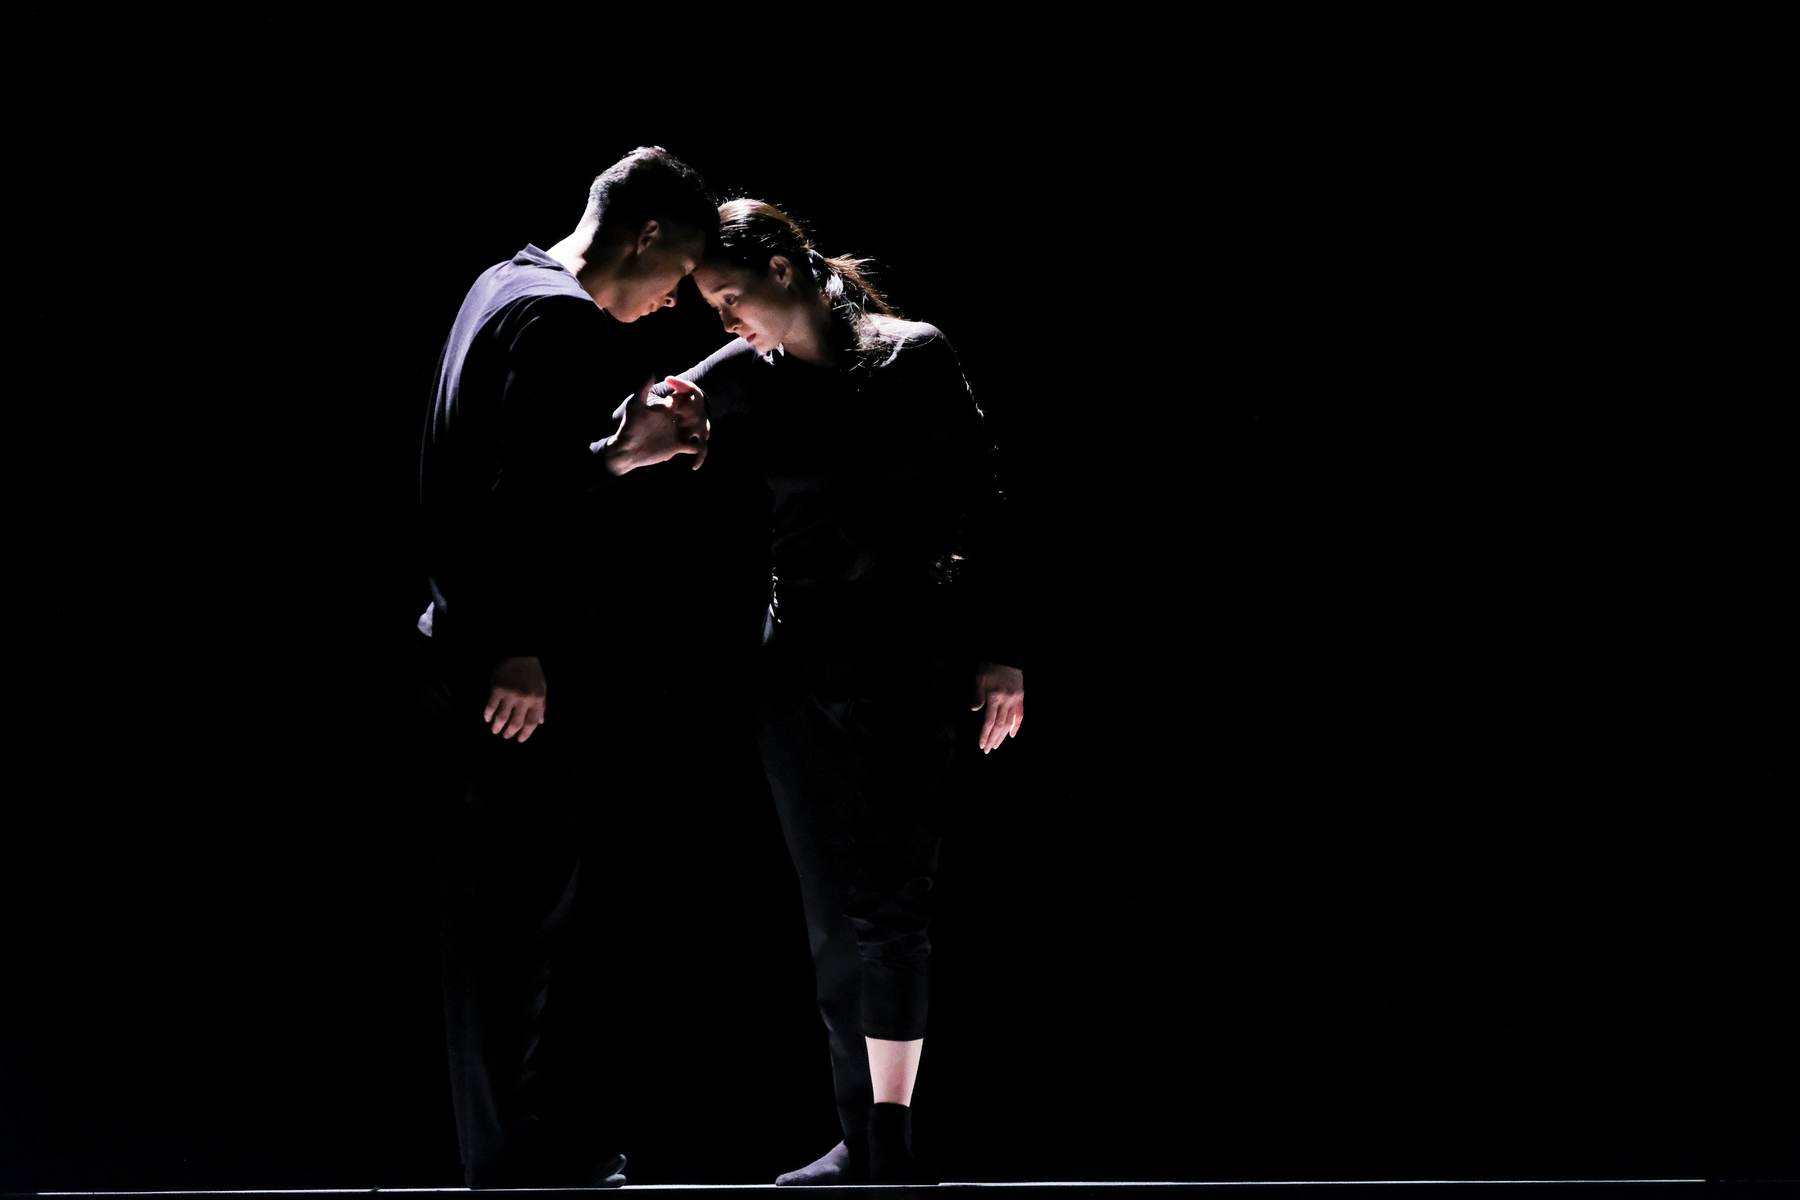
(716, 276)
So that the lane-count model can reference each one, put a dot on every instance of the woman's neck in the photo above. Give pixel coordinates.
(811, 343)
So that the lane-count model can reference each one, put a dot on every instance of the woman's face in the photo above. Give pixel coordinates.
(761, 307)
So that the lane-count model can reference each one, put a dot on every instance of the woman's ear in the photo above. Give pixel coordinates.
(782, 270)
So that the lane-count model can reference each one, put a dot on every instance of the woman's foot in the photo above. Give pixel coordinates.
(890, 1147)
(838, 1165)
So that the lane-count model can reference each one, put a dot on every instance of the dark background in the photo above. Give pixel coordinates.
(1398, 796)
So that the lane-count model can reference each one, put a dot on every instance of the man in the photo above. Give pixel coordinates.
(516, 440)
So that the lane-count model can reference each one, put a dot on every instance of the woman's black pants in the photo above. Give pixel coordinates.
(856, 746)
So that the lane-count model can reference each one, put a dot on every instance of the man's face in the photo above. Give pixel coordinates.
(664, 253)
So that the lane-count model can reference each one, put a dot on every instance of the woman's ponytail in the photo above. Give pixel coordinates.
(752, 232)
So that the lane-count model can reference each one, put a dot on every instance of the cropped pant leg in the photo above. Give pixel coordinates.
(856, 751)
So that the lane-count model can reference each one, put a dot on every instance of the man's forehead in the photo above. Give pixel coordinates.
(690, 238)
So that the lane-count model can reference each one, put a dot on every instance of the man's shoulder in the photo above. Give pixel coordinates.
(528, 274)
(559, 307)
(539, 315)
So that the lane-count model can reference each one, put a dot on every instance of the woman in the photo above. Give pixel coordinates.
(887, 600)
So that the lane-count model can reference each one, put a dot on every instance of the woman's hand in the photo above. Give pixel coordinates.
(656, 428)
(1001, 690)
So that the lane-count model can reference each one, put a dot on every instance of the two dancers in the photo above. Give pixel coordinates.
(891, 614)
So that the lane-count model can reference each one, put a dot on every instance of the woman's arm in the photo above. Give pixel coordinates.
(951, 432)
(724, 376)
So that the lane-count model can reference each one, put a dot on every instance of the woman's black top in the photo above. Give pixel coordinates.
(888, 524)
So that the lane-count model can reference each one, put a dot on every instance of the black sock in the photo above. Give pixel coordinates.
(890, 1147)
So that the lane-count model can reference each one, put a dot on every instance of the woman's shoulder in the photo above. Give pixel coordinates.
(906, 333)
(909, 346)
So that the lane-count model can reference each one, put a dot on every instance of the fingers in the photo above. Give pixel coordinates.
(499, 709)
(529, 717)
(1002, 689)
(687, 394)
(982, 699)
(683, 400)
(686, 407)
(511, 714)
(1005, 717)
(682, 394)
(1012, 717)
(990, 725)
(690, 439)
(991, 729)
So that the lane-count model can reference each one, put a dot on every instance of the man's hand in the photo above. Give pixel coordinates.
(1001, 690)
(654, 429)
(516, 705)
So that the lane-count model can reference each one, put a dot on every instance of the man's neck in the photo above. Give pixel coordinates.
(584, 258)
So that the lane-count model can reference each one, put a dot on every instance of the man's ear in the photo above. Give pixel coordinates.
(648, 234)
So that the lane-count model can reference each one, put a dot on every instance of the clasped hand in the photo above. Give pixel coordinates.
(654, 429)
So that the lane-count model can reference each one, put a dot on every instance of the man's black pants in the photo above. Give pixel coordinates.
(510, 819)
(856, 747)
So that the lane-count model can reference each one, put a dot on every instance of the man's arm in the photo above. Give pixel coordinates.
(517, 702)
(545, 463)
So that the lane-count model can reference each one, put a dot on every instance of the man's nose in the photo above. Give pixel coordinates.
(669, 300)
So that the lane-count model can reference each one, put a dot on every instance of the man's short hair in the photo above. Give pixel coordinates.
(650, 183)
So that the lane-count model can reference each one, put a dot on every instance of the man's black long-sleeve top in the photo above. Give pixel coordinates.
(527, 381)
(888, 522)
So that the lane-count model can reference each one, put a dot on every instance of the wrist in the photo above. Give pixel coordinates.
(615, 457)
(612, 448)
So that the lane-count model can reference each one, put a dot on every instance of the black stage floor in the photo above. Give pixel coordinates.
(1587, 1189)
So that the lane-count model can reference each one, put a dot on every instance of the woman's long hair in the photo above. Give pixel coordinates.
(752, 232)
